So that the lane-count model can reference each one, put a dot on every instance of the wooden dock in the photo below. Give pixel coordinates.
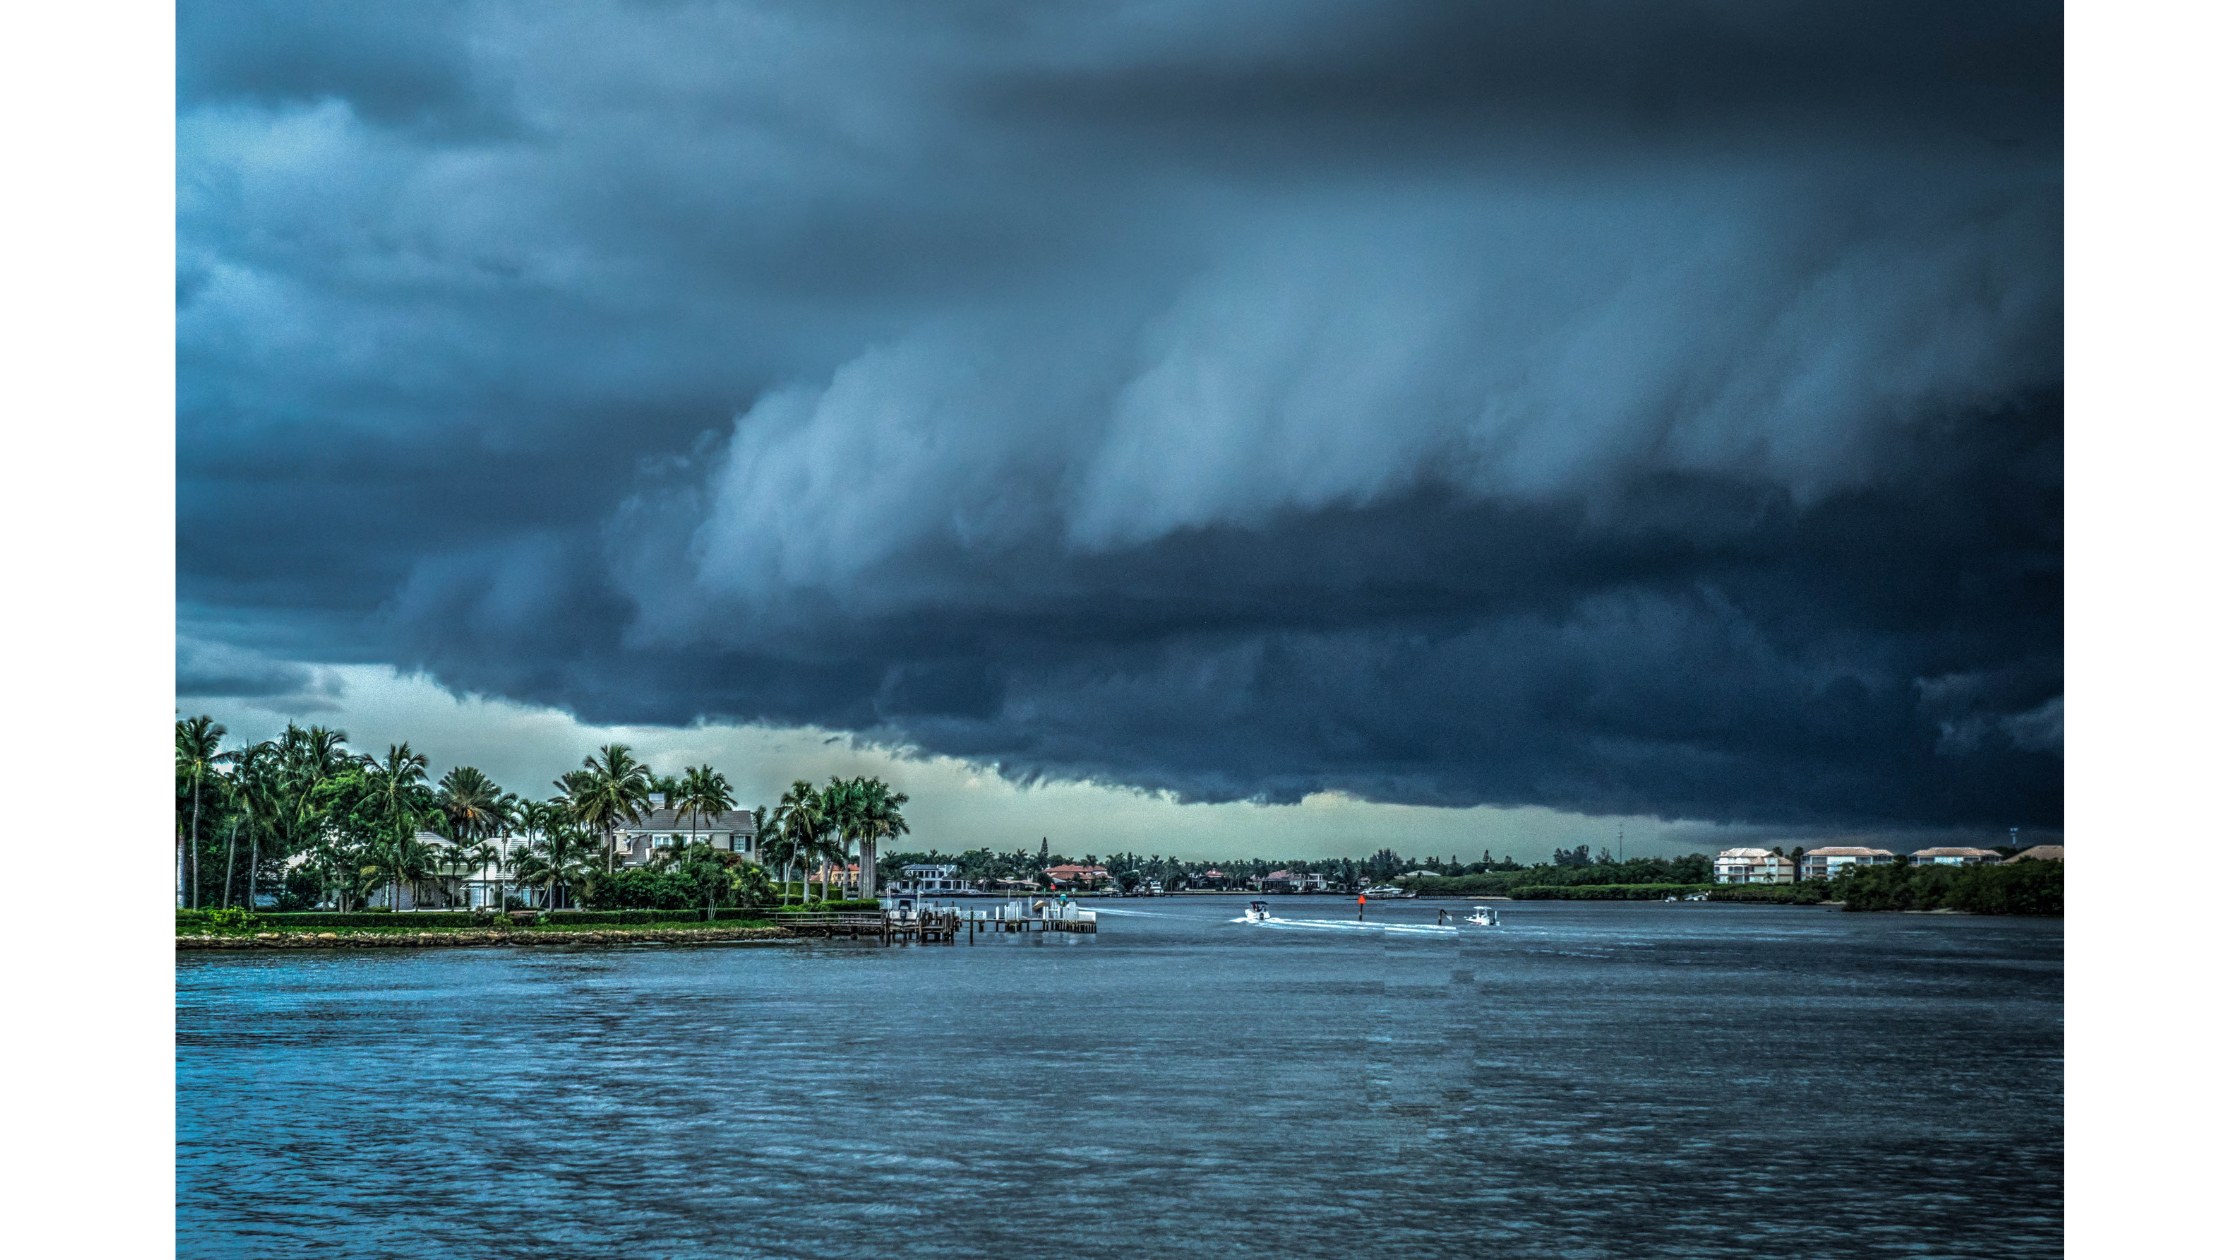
(933, 927)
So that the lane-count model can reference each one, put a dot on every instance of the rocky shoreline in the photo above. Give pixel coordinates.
(438, 940)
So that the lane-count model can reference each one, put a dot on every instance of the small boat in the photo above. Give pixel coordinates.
(1484, 916)
(1386, 892)
(1257, 912)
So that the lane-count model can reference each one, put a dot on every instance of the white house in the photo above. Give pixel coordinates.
(1954, 857)
(1835, 860)
(930, 879)
(635, 843)
(1753, 866)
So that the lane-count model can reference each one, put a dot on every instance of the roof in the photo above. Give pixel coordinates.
(1952, 851)
(1848, 850)
(670, 820)
(1745, 853)
(2037, 853)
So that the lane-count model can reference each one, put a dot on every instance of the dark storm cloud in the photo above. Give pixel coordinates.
(1649, 408)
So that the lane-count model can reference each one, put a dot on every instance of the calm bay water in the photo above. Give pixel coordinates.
(1587, 1080)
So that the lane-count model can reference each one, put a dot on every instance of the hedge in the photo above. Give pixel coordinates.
(1604, 892)
(2032, 888)
(350, 919)
(189, 920)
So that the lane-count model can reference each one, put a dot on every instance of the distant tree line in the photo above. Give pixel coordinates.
(305, 821)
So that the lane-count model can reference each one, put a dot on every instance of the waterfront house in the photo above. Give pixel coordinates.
(1210, 878)
(1072, 876)
(636, 843)
(1954, 857)
(930, 878)
(1291, 882)
(1830, 862)
(2037, 853)
(1753, 866)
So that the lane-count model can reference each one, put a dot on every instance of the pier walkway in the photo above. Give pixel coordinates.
(937, 926)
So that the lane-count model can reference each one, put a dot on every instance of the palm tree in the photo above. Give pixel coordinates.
(702, 793)
(843, 813)
(401, 801)
(399, 859)
(560, 852)
(194, 755)
(801, 824)
(765, 831)
(511, 811)
(610, 791)
(882, 820)
(260, 792)
(472, 809)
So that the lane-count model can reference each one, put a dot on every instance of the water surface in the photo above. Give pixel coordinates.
(1587, 1080)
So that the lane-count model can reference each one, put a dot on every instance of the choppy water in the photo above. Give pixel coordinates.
(1588, 1080)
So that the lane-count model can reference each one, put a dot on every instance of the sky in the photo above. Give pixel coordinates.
(1277, 427)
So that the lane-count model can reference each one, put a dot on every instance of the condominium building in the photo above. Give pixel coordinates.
(1834, 860)
(1753, 866)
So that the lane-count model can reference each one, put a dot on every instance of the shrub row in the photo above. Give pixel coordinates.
(1604, 892)
(341, 919)
(192, 921)
(2033, 888)
(834, 906)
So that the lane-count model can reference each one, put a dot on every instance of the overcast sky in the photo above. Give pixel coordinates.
(1645, 411)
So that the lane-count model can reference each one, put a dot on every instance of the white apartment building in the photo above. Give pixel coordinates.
(1835, 860)
(1753, 866)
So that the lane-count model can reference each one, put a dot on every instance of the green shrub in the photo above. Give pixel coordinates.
(229, 919)
(363, 918)
(2032, 887)
(825, 907)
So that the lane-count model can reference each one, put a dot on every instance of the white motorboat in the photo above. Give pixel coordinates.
(1484, 916)
(1257, 912)
(1386, 892)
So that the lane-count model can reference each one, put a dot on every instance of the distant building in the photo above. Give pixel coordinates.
(1833, 861)
(1954, 857)
(1210, 878)
(636, 843)
(1292, 882)
(926, 878)
(1071, 876)
(2038, 853)
(1753, 866)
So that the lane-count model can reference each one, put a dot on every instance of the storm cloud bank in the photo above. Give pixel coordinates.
(1640, 408)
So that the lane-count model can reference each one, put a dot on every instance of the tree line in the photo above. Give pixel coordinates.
(322, 825)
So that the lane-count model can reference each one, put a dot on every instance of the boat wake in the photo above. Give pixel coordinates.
(1140, 914)
(1342, 925)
